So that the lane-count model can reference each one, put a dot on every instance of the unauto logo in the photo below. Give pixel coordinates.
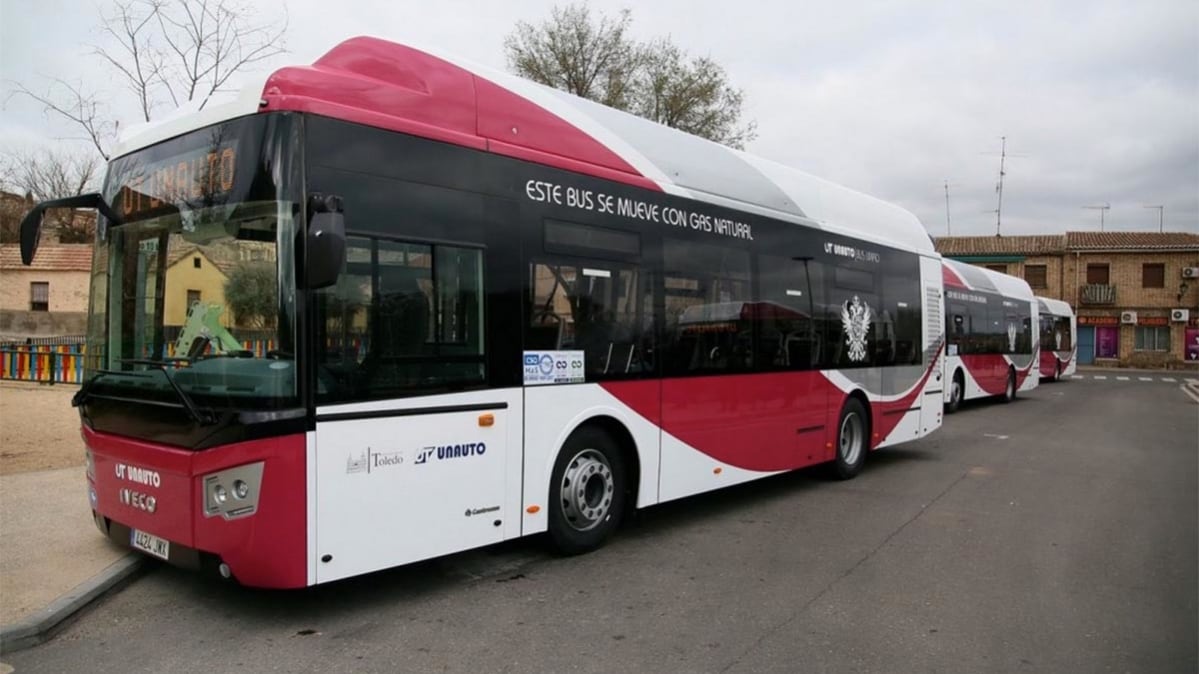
(441, 452)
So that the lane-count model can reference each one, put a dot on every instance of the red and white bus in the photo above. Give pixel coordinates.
(1058, 330)
(991, 329)
(392, 306)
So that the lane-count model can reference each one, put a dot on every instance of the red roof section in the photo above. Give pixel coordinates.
(60, 257)
(1000, 245)
(371, 81)
(1059, 243)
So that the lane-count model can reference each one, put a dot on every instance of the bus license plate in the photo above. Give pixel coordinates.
(159, 547)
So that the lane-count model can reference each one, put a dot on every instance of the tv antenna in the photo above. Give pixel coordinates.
(1102, 208)
(1003, 155)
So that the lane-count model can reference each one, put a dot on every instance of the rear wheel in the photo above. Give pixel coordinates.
(957, 389)
(853, 431)
(587, 492)
(1009, 391)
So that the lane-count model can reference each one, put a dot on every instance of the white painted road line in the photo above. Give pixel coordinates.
(1078, 376)
(1145, 378)
(1099, 376)
(1121, 378)
(1169, 379)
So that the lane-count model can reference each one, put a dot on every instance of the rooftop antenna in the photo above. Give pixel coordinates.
(1160, 215)
(948, 228)
(1003, 155)
(1103, 208)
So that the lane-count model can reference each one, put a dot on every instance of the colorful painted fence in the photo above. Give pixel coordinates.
(63, 363)
(48, 363)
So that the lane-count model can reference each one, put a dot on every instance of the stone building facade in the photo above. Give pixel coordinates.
(48, 298)
(1136, 294)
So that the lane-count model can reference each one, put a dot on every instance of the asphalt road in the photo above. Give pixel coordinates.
(1058, 533)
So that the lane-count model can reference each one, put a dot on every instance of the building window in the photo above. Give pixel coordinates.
(1097, 274)
(1153, 338)
(196, 262)
(193, 296)
(1036, 275)
(39, 296)
(1153, 275)
(1001, 268)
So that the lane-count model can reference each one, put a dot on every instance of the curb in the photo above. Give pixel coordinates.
(38, 627)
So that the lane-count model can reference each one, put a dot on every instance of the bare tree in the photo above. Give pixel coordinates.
(598, 60)
(692, 94)
(37, 176)
(163, 51)
(571, 52)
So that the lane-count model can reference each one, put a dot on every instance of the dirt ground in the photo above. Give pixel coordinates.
(39, 430)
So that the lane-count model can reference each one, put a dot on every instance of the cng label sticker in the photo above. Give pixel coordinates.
(553, 367)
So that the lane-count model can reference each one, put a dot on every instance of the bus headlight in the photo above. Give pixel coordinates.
(233, 492)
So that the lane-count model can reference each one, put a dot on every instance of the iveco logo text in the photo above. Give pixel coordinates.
(139, 475)
(136, 499)
(450, 452)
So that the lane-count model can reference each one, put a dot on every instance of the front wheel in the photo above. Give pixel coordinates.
(957, 389)
(587, 492)
(853, 432)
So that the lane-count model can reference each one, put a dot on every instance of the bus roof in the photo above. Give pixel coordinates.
(421, 92)
(962, 275)
(1055, 307)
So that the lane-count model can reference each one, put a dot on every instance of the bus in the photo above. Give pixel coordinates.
(392, 306)
(990, 340)
(1058, 330)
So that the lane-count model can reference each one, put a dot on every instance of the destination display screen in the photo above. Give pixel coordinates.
(195, 179)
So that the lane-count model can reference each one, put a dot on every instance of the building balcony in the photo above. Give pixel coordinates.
(1098, 293)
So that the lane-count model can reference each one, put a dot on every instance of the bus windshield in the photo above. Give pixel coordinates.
(193, 292)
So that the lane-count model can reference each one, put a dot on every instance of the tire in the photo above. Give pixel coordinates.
(957, 391)
(1009, 391)
(587, 492)
(853, 440)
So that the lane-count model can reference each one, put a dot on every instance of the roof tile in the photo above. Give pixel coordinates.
(59, 257)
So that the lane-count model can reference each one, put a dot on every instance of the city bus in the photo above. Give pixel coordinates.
(392, 306)
(1058, 329)
(991, 330)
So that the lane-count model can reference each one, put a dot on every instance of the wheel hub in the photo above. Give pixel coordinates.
(587, 490)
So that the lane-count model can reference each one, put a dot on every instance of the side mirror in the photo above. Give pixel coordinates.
(31, 233)
(31, 225)
(326, 244)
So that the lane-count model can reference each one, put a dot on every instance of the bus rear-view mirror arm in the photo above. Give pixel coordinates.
(326, 240)
(31, 225)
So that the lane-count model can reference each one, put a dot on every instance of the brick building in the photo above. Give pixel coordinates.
(47, 298)
(1136, 294)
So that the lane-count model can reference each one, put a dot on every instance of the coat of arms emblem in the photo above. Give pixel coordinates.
(1011, 337)
(855, 321)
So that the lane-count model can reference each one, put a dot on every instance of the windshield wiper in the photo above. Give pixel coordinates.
(203, 417)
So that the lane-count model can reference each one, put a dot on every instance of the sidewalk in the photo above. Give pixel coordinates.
(53, 559)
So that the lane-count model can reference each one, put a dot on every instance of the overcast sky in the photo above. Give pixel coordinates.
(1099, 101)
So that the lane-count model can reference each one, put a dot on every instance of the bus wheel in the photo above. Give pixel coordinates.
(1009, 391)
(957, 389)
(587, 492)
(852, 437)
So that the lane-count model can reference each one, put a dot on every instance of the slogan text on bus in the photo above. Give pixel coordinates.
(590, 200)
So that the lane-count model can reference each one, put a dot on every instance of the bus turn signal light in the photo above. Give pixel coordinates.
(717, 470)
(486, 420)
(533, 509)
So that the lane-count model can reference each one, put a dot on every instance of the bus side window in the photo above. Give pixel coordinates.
(707, 292)
(403, 319)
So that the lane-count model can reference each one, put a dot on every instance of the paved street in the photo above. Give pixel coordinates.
(1058, 533)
